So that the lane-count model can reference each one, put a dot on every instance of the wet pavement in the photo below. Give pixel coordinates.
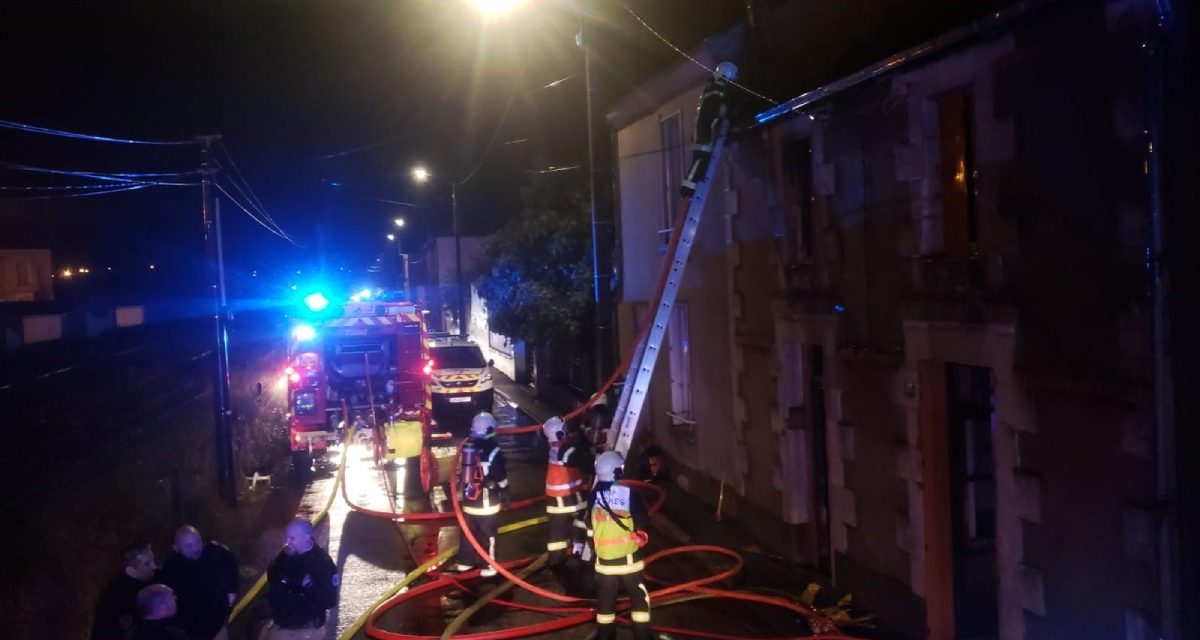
(373, 553)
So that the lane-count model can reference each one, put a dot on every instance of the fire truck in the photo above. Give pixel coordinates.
(359, 364)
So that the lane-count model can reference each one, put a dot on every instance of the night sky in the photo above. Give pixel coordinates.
(292, 86)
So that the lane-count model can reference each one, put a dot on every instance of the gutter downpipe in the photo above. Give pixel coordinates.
(1164, 436)
(941, 43)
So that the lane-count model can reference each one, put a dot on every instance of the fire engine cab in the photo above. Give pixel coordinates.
(359, 362)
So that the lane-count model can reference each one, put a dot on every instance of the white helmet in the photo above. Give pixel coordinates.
(483, 425)
(726, 71)
(608, 466)
(553, 428)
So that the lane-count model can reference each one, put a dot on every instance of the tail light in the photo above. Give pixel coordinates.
(428, 370)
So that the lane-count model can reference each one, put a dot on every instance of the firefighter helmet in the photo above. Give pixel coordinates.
(609, 466)
(483, 425)
(726, 71)
(554, 429)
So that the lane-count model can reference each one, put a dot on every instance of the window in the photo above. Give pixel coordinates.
(956, 174)
(681, 366)
(798, 193)
(670, 131)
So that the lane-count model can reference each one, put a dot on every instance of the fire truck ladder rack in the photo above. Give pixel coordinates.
(641, 367)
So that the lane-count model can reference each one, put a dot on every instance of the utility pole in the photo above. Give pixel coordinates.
(458, 278)
(601, 214)
(223, 413)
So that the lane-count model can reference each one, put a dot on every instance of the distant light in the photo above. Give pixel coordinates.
(67, 273)
(293, 287)
(304, 333)
(399, 222)
(839, 308)
(316, 301)
(421, 174)
(493, 8)
(152, 267)
(294, 377)
(110, 268)
(391, 237)
(365, 294)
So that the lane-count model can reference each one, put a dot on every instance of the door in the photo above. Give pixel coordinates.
(970, 418)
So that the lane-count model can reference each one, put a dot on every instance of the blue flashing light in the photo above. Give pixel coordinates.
(365, 294)
(316, 302)
(304, 333)
(839, 308)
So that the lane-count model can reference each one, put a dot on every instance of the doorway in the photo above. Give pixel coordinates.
(970, 419)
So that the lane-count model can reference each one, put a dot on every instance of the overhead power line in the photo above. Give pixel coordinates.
(29, 128)
(279, 233)
(251, 197)
(108, 189)
(105, 176)
(693, 60)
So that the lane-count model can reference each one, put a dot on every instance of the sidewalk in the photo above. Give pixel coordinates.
(686, 520)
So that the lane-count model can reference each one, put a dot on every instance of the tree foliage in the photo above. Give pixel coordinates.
(537, 285)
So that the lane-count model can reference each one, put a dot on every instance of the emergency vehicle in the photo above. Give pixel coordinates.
(461, 381)
(365, 360)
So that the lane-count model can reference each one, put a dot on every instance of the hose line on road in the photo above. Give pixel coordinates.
(461, 619)
(261, 582)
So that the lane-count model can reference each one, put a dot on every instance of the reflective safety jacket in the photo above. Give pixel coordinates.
(564, 478)
(492, 472)
(616, 515)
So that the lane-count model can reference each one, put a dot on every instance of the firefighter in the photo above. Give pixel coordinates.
(483, 487)
(569, 458)
(618, 521)
(710, 113)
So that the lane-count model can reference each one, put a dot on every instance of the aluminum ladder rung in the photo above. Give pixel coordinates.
(641, 367)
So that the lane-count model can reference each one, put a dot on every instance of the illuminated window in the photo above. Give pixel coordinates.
(956, 174)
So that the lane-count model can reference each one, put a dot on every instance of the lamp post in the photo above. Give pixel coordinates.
(422, 175)
(399, 239)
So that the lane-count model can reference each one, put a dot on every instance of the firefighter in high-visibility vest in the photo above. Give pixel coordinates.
(568, 461)
(710, 113)
(618, 521)
(484, 488)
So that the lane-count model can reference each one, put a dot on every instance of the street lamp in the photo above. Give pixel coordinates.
(399, 222)
(391, 237)
(422, 175)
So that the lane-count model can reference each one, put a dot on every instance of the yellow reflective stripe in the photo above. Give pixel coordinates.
(555, 546)
(606, 618)
(640, 616)
(568, 509)
(619, 569)
(482, 511)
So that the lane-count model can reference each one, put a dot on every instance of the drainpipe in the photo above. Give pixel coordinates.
(1164, 435)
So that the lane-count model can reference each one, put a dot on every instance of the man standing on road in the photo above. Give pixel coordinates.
(618, 521)
(483, 487)
(117, 606)
(564, 486)
(303, 584)
(204, 578)
(156, 615)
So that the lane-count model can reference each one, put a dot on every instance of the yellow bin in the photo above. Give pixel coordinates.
(404, 439)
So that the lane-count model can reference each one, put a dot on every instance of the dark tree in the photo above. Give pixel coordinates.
(537, 286)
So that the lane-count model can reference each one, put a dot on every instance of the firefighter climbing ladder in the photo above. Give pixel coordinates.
(641, 367)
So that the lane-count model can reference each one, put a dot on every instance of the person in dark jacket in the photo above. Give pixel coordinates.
(204, 578)
(116, 608)
(484, 489)
(712, 110)
(302, 584)
(156, 615)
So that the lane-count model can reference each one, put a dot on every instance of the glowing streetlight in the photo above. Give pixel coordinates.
(399, 222)
(420, 174)
(391, 237)
(495, 8)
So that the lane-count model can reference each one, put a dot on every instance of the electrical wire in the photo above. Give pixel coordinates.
(110, 190)
(99, 175)
(693, 60)
(253, 197)
(552, 169)
(66, 187)
(29, 128)
(492, 142)
(252, 216)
